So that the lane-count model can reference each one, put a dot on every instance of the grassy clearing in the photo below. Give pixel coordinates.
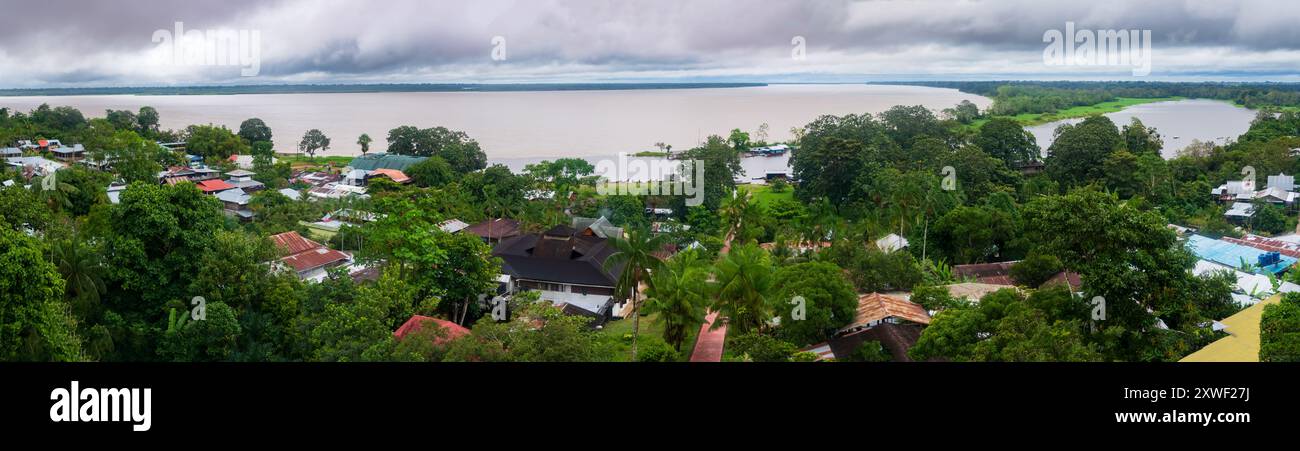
(617, 335)
(763, 194)
(302, 161)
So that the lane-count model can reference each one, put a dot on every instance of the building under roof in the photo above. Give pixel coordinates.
(494, 230)
(308, 258)
(1233, 255)
(875, 309)
(373, 161)
(992, 273)
(560, 255)
(897, 339)
(1242, 344)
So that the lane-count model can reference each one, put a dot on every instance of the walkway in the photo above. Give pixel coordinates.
(709, 343)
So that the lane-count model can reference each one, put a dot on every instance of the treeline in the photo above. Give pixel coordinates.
(1018, 97)
(359, 88)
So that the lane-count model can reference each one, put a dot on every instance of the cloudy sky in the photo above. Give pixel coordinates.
(59, 43)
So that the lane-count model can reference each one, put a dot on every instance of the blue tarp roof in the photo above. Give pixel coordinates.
(1231, 255)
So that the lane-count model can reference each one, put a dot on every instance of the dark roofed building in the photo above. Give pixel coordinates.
(566, 266)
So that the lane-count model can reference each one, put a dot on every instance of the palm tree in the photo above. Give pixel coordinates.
(636, 253)
(80, 266)
(364, 141)
(744, 282)
(678, 292)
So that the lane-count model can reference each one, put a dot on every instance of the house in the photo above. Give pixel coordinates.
(292, 194)
(1240, 257)
(565, 265)
(242, 179)
(177, 174)
(1234, 190)
(213, 186)
(896, 339)
(992, 273)
(450, 331)
(493, 231)
(235, 202)
(336, 190)
(875, 309)
(69, 154)
(1069, 279)
(309, 259)
(392, 174)
(9, 152)
(891, 242)
(356, 177)
(1240, 212)
(34, 166)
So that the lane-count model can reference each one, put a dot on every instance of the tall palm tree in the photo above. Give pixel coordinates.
(80, 266)
(678, 292)
(743, 286)
(636, 253)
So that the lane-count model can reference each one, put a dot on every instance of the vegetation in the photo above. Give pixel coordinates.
(88, 279)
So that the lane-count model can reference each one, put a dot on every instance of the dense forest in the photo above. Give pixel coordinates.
(1017, 97)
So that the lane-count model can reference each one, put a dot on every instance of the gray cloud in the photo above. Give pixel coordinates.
(61, 42)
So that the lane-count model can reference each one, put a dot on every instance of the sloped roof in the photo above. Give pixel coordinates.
(600, 227)
(559, 255)
(495, 228)
(973, 291)
(234, 196)
(292, 243)
(452, 225)
(875, 307)
(315, 258)
(995, 273)
(392, 174)
(1242, 345)
(214, 185)
(897, 339)
(1071, 280)
(370, 162)
(451, 330)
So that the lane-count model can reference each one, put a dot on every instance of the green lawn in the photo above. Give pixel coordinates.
(763, 194)
(303, 160)
(617, 334)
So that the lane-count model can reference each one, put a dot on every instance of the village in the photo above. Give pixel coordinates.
(568, 265)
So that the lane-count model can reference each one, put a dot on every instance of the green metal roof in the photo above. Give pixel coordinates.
(374, 161)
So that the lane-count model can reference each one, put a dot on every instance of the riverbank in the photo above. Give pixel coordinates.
(1114, 106)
